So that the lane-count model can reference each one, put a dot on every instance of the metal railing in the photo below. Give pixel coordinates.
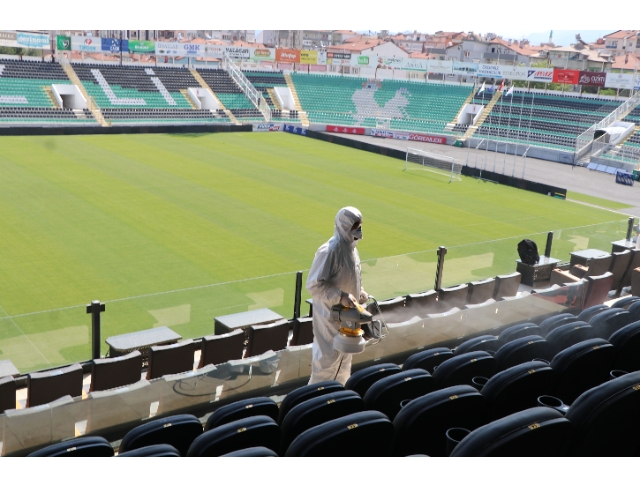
(247, 88)
(585, 140)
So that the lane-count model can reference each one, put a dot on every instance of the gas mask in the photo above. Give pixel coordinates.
(357, 233)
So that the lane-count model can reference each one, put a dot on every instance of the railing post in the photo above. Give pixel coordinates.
(630, 228)
(547, 250)
(95, 308)
(298, 297)
(442, 251)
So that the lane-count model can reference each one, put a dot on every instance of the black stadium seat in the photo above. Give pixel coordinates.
(581, 367)
(386, 394)
(535, 432)
(427, 359)
(606, 323)
(255, 406)
(178, 431)
(555, 321)
(162, 450)
(305, 393)
(316, 411)
(237, 435)
(462, 368)
(627, 344)
(361, 380)
(566, 335)
(85, 446)
(517, 388)
(518, 331)
(365, 434)
(588, 313)
(7, 393)
(606, 420)
(109, 373)
(256, 451)
(421, 425)
(487, 343)
(522, 350)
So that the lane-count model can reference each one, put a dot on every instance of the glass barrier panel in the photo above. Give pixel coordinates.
(599, 237)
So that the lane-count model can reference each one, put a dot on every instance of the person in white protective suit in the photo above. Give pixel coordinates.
(335, 278)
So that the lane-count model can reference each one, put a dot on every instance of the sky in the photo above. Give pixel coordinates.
(515, 20)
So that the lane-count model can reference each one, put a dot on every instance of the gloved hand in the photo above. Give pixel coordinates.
(363, 296)
(348, 300)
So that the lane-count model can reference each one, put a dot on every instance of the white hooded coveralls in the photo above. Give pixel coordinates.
(335, 269)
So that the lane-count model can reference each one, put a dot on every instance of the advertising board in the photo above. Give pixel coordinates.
(345, 130)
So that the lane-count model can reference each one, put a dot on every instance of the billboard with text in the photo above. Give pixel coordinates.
(287, 55)
(589, 78)
(86, 44)
(566, 76)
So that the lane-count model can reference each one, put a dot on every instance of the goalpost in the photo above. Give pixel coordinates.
(437, 163)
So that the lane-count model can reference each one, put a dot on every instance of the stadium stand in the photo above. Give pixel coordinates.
(231, 95)
(23, 95)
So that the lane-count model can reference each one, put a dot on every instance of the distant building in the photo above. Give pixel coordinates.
(621, 42)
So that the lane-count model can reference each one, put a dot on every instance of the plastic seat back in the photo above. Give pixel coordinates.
(427, 359)
(487, 343)
(255, 406)
(555, 321)
(178, 431)
(85, 446)
(361, 380)
(627, 344)
(305, 393)
(518, 331)
(109, 373)
(521, 350)
(462, 368)
(45, 387)
(567, 335)
(152, 451)
(218, 349)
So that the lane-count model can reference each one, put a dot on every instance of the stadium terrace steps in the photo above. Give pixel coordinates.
(186, 96)
(204, 85)
(274, 99)
(95, 110)
(49, 92)
(487, 110)
(469, 99)
(304, 118)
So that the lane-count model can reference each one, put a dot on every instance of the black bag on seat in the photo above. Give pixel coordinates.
(535, 432)
(528, 252)
(178, 431)
(517, 388)
(237, 435)
(304, 393)
(255, 406)
(421, 425)
(605, 419)
(387, 394)
(427, 359)
(462, 368)
(365, 434)
(361, 380)
(85, 446)
(152, 451)
(316, 411)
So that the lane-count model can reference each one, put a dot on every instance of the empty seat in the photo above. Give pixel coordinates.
(44, 387)
(487, 343)
(365, 434)
(507, 285)
(517, 388)
(421, 424)
(302, 331)
(481, 291)
(597, 266)
(588, 313)
(263, 338)
(237, 435)
(453, 297)
(255, 406)
(597, 289)
(627, 344)
(634, 309)
(170, 359)
(521, 350)
(609, 321)
(619, 263)
(535, 432)
(605, 419)
(635, 263)
(178, 431)
(85, 446)
(518, 331)
(361, 380)
(427, 359)
(109, 373)
(256, 451)
(555, 321)
(7, 393)
(567, 335)
(152, 451)
(386, 394)
(462, 368)
(625, 302)
(218, 349)
(421, 304)
(305, 393)
(581, 367)
(393, 310)
(316, 411)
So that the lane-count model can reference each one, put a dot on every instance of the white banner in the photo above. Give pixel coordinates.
(391, 62)
(361, 61)
(86, 44)
(621, 80)
(413, 64)
(514, 72)
(489, 71)
(444, 67)
(465, 69)
(540, 74)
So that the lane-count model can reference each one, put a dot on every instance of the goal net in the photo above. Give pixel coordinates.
(437, 163)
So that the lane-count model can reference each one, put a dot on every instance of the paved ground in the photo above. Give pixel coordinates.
(578, 179)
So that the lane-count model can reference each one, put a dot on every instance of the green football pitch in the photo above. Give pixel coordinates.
(173, 230)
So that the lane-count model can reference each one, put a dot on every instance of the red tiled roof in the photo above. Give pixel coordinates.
(631, 61)
(622, 34)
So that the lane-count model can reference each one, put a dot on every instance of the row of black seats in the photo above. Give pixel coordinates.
(160, 113)
(497, 119)
(32, 70)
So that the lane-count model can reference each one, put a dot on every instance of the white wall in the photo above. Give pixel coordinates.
(285, 98)
(203, 99)
(470, 110)
(69, 96)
